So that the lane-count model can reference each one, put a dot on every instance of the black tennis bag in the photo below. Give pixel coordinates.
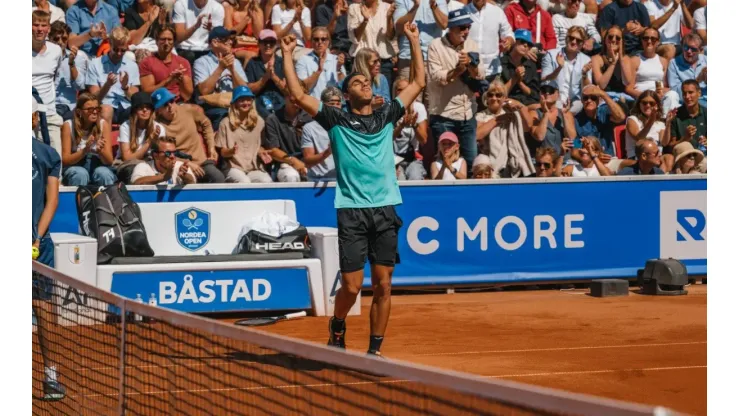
(108, 214)
(296, 241)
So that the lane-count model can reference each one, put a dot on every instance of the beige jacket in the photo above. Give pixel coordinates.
(453, 100)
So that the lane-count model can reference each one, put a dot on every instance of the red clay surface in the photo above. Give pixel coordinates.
(645, 349)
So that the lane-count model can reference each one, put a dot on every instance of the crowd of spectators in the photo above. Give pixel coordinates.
(193, 91)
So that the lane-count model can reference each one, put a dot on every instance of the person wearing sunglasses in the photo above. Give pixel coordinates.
(163, 168)
(550, 124)
(547, 163)
(646, 122)
(570, 67)
(519, 73)
(598, 120)
(630, 15)
(691, 64)
(570, 17)
(586, 161)
(647, 72)
(648, 158)
(688, 160)
(70, 78)
(498, 133)
(320, 68)
(452, 104)
(114, 78)
(609, 65)
(87, 151)
(667, 16)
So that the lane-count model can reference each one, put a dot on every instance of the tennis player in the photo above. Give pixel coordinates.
(367, 190)
(47, 166)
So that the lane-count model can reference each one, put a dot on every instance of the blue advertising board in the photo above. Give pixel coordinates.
(478, 232)
(219, 290)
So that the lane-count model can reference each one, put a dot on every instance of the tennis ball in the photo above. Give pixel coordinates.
(192, 215)
(35, 252)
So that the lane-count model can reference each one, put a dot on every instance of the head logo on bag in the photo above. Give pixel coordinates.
(193, 228)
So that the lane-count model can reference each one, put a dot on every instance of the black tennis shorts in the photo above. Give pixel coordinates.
(368, 232)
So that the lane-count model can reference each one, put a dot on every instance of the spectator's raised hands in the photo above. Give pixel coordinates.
(634, 27)
(702, 75)
(566, 145)
(208, 24)
(340, 61)
(593, 89)
(365, 11)
(587, 68)
(162, 16)
(98, 30)
(412, 32)
(689, 133)
(73, 54)
(560, 59)
(154, 13)
(111, 79)
(183, 170)
(340, 8)
(391, 10)
(228, 153)
(123, 77)
(532, 54)
(288, 44)
(155, 133)
(703, 140)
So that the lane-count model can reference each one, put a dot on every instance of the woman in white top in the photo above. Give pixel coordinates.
(291, 17)
(140, 125)
(449, 166)
(644, 123)
(87, 152)
(647, 72)
(370, 25)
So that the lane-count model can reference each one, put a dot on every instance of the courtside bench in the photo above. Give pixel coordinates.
(195, 269)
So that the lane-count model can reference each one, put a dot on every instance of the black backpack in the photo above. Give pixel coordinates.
(108, 214)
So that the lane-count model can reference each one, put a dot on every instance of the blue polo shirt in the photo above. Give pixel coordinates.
(79, 19)
(679, 71)
(45, 163)
(601, 127)
(424, 19)
(97, 73)
(308, 64)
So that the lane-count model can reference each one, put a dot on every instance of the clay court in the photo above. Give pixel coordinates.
(646, 349)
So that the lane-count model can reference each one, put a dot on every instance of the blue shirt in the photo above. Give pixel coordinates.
(97, 74)
(121, 5)
(362, 146)
(80, 20)
(208, 64)
(600, 127)
(308, 64)
(569, 82)
(679, 71)
(45, 163)
(67, 88)
(424, 19)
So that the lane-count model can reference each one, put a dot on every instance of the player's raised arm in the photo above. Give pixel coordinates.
(409, 94)
(305, 101)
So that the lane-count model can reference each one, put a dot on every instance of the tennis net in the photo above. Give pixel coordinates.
(116, 356)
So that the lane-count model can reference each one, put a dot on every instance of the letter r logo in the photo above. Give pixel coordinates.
(683, 225)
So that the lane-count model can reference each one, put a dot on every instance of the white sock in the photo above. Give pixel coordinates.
(51, 373)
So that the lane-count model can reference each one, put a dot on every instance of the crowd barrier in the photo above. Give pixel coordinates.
(499, 231)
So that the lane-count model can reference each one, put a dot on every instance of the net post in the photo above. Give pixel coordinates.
(122, 358)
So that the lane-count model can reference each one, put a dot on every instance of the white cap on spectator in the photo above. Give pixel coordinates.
(35, 105)
(482, 160)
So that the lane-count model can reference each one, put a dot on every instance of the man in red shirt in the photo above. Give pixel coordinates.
(164, 69)
(523, 15)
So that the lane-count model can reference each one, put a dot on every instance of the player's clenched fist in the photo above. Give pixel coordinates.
(411, 31)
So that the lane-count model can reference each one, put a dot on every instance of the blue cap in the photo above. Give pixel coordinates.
(523, 34)
(551, 83)
(220, 32)
(459, 17)
(161, 97)
(241, 92)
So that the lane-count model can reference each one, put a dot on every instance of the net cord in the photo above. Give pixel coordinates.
(505, 391)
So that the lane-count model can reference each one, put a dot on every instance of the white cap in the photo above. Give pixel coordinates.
(35, 105)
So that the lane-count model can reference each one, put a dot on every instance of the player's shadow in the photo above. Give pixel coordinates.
(287, 361)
